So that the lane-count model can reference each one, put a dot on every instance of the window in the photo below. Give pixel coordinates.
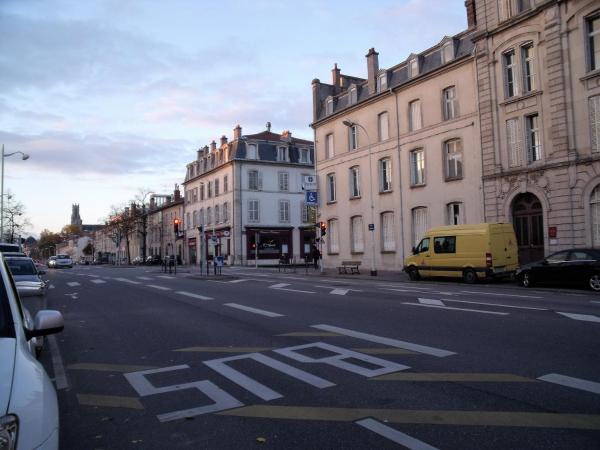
(528, 67)
(217, 214)
(450, 103)
(282, 154)
(201, 191)
(523, 5)
(254, 180)
(251, 153)
(444, 244)
(331, 196)
(385, 175)
(388, 242)
(510, 75)
(306, 212)
(514, 142)
(423, 246)
(284, 211)
(329, 106)
(283, 181)
(594, 112)
(188, 221)
(354, 182)
(382, 82)
(413, 67)
(453, 159)
(253, 212)
(595, 216)
(304, 156)
(210, 186)
(334, 237)
(414, 115)
(455, 214)
(217, 187)
(356, 231)
(353, 95)
(195, 219)
(201, 217)
(329, 151)
(593, 42)
(226, 183)
(195, 194)
(447, 52)
(353, 137)
(417, 167)
(534, 146)
(419, 224)
(225, 212)
(383, 126)
(208, 215)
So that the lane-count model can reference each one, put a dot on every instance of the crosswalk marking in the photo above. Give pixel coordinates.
(582, 317)
(394, 435)
(576, 383)
(161, 288)
(98, 281)
(262, 312)
(125, 280)
(198, 296)
(73, 284)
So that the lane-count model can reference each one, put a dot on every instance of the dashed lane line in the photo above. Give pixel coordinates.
(498, 294)
(581, 317)
(394, 435)
(98, 281)
(282, 287)
(192, 295)
(575, 383)
(166, 277)
(261, 312)
(144, 278)
(109, 401)
(455, 377)
(60, 376)
(481, 311)
(99, 367)
(73, 284)
(160, 288)
(496, 304)
(126, 280)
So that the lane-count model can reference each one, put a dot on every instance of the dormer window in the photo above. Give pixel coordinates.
(447, 52)
(382, 82)
(413, 67)
(251, 152)
(304, 156)
(329, 106)
(353, 95)
(282, 154)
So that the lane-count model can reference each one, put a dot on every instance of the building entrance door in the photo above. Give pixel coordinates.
(528, 220)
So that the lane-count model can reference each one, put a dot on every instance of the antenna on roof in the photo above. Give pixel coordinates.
(269, 127)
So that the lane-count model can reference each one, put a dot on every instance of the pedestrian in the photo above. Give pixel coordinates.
(316, 254)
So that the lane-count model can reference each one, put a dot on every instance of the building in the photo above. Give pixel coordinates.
(538, 68)
(398, 153)
(244, 199)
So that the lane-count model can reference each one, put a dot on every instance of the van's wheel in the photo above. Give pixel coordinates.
(527, 279)
(595, 282)
(469, 276)
(413, 274)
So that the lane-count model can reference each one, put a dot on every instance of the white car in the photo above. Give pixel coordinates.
(63, 261)
(28, 403)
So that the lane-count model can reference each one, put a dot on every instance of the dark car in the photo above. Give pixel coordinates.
(153, 260)
(579, 267)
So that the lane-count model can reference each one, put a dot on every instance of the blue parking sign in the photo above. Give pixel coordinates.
(312, 198)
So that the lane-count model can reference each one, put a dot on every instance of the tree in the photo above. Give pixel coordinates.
(122, 223)
(143, 217)
(69, 231)
(15, 221)
(48, 240)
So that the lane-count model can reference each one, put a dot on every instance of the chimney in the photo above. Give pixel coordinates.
(237, 132)
(213, 146)
(177, 193)
(471, 16)
(316, 94)
(200, 153)
(335, 77)
(372, 69)
(286, 136)
(152, 203)
(268, 127)
(223, 140)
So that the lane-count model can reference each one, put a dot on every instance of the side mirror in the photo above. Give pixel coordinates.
(46, 322)
(414, 250)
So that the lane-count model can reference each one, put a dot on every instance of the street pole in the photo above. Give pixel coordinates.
(2, 198)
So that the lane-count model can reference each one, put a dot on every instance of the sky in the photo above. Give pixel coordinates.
(113, 97)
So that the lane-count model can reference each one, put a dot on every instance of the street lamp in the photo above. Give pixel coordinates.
(24, 156)
(349, 123)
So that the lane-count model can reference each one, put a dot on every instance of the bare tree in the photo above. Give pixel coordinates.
(140, 199)
(14, 218)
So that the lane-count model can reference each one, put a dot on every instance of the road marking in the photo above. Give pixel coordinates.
(162, 288)
(239, 281)
(500, 295)
(98, 367)
(166, 277)
(282, 287)
(457, 309)
(94, 276)
(576, 383)
(60, 376)
(435, 417)
(125, 280)
(73, 295)
(497, 304)
(385, 351)
(144, 278)
(198, 296)
(98, 281)
(407, 289)
(394, 435)
(311, 334)
(594, 301)
(262, 312)
(386, 341)
(339, 291)
(51, 286)
(73, 284)
(430, 301)
(223, 349)
(109, 401)
(455, 377)
(582, 317)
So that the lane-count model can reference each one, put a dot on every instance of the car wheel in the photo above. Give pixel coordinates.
(526, 279)
(469, 276)
(595, 282)
(413, 274)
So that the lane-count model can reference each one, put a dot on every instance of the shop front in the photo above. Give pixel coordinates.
(192, 252)
(307, 239)
(217, 243)
(269, 243)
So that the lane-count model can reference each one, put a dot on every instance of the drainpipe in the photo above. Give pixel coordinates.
(399, 176)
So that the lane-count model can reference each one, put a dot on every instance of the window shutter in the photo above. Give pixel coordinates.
(594, 107)
(514, 142)
(260, 184)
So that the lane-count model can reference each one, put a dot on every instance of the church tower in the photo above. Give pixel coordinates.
(75, 219)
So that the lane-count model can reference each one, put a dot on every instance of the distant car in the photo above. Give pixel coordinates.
(6, 247)
(137, 260)
(27, 276)
(51, 262)
(579, 267)
(153, 260)
(63, 261)
(28, 404)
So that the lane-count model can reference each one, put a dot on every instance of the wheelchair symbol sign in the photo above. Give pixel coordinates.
(311, 198)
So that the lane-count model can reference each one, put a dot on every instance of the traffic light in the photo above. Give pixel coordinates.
(176, 223)
(253, 245)
(323, 227)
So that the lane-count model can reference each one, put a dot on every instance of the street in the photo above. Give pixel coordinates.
(263, 359)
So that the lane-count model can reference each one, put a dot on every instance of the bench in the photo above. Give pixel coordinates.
(351, 266)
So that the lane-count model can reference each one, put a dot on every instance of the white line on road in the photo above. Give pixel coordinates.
(240, 280)
(60, 376)
(582, 317)
(125, 280)
(73, 284)
(98, 281)
(166, 277)
(279, 285)
(262, 312)
(282, 287)
(500, 295)
(51, 286)
(576, 383)
(162, 288)
(144, 278)
(594, 301)
(386, 341)
(495, 304)
(394, 435)
(407, 289)
(431, 301)
(189, 294)
(457, 309)
(340, 291)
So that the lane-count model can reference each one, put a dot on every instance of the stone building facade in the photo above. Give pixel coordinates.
(538, 70)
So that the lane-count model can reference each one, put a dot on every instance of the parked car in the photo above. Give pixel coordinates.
(28, 403)
(153, 260)
(485, 250)
(63, 261)
(137, 260)
(26, 275)
(6, 247)
(580, 267)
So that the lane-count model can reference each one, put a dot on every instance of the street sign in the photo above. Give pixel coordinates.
(371, 226)
(309, 183)
(312, 198)
(214, 239)
(226, 233)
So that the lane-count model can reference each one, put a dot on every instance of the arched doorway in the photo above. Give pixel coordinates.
(528, 220)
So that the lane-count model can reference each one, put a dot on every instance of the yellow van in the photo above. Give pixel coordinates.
(468, 251)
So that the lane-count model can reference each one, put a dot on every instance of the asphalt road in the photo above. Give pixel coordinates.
(151, 361)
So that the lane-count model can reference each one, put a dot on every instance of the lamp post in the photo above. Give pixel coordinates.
(349, 123)
(144, 226)
(24, 156)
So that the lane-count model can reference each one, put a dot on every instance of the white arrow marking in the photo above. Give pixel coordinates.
(576, 383)
(431, 301)
(582, 317)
